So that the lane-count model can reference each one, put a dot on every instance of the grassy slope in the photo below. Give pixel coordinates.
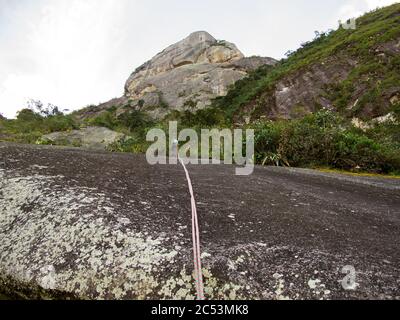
(375, 28)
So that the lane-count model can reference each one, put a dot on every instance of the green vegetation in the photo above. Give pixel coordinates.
(33, 122)
(131, 122)
(322, 139)
(325, 139)
(206, 118)
(243, 91)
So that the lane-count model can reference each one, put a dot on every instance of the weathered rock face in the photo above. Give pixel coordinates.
(308, 89)
(199, 47)
(96, 138)
(186, 76)
(300, 92)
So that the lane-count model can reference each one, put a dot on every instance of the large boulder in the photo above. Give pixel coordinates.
(96, 138)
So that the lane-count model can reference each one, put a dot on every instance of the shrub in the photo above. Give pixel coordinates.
(128, 145)
(30, 125)
(266, 141)
(326, 139)
(206, 118)
(134, 119)
(106, 119)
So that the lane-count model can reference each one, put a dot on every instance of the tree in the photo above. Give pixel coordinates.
(28, 115)
(45, 111)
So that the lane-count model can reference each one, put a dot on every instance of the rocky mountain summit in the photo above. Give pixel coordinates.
(185, 76)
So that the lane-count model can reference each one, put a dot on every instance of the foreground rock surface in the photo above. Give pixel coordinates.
(109, 226)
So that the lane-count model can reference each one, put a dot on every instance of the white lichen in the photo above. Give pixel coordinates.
(42, 227)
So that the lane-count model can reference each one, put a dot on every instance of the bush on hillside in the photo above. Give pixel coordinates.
(32, 123)
(324, 139)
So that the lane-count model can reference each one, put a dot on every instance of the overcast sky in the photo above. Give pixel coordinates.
(73, 53)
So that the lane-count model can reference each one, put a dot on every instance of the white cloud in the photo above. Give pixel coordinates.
(373, 4)
(16, 90)
(65, 48)
(355, 8)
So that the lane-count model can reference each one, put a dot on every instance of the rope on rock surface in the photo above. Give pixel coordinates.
(196, 239)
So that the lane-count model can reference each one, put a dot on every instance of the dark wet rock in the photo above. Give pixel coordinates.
(96, 225)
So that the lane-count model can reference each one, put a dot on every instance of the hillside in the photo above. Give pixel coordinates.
(355, 72)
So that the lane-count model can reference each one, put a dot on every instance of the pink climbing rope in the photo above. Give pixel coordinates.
(196, 239)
